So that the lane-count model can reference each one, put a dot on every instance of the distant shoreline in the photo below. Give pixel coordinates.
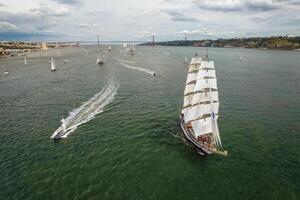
(273, 43)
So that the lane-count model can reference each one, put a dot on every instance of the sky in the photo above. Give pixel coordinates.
(138, 20)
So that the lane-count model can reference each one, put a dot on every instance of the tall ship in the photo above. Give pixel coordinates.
(198, 118)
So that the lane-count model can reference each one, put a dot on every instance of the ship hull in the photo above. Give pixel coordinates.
(190, 139)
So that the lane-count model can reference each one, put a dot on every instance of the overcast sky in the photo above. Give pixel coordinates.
(74, 20)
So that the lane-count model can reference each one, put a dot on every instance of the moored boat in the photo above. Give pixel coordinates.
(198, 118)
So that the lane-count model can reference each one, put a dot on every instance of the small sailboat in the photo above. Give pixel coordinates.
(198, 118)
(25, 60)
(185, 60)
(109, 48)
(5, 71)
(131, 50)
(53, 66)
(100, 60)
(66, 61)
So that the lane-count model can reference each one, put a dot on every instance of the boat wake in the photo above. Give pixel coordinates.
(127, 61)
(86, 111)
(139, 69)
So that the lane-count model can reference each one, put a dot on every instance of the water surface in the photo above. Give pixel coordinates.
(132, 150)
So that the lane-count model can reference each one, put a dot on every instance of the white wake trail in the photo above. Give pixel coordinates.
(127, 61)
(87, 111)
(139, 69)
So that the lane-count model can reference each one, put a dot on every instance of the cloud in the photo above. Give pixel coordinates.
(238, 5)
(17, 25)
(289, 2)
(179, 15)
(6, 26)
(12, 35)
(48, 10)
(167, 19)
(86, 25)
(187, 32)
(261, 5)
(219, 5)
(143, 34)
(70, 2)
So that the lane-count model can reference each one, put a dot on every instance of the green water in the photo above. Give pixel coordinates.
(132, 150)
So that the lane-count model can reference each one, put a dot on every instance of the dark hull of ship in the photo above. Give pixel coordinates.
(201, 150)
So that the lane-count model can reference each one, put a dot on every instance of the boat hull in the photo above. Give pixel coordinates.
(60, 134)
(190, 139)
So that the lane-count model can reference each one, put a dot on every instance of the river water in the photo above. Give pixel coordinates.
(132, 148)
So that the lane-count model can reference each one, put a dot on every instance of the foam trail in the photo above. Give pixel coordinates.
(138, 68)
(87, 110)
(127, 61)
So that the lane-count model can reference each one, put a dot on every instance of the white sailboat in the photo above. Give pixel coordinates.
(53, 66)
(130, 49)
(109, 48)
(100, 60)
(25, 60)
(185, 60)
(201, 108)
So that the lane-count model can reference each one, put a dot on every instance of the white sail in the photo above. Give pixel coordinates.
(191, 77)
(211, 65)
(188, 100)
(207, 65)
(215, 128)
(206, 74)
(53, 67)
(202, 97)
(205, 84)
(189, 89)
(202, 126)
(198, 111)
(25, 61)
(196, 61)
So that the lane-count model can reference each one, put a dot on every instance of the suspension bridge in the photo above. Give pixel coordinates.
(101, 39)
